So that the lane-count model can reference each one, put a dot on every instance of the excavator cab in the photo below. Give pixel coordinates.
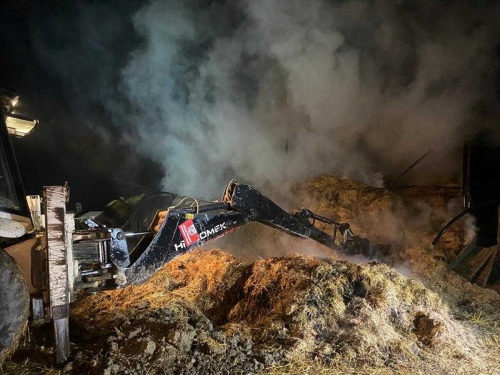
(15, 216)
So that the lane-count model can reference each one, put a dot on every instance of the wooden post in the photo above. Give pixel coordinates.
(55, 218)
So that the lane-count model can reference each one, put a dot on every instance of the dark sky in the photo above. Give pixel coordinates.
(65, 146)
(404, 77)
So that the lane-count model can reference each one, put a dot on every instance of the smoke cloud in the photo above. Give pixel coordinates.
(270, 92)
(273, 92)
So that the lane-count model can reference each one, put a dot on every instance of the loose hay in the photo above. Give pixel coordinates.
(228, 317)
(206, 312)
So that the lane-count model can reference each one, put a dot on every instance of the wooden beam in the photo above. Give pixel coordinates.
(55, 218)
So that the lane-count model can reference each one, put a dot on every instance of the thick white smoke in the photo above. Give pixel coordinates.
(278, 91)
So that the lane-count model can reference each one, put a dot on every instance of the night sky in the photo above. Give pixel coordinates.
(66, 146)
(409, 77)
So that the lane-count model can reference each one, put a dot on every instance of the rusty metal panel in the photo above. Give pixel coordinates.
(61, 335)
(55, 218)
(21, 252)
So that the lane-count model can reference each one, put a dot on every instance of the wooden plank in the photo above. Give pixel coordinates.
(483, 277)
(480, 260)
(55, 215)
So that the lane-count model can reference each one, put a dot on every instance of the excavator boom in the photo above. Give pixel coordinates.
(190, 223)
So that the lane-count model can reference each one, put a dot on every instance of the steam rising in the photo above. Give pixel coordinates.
(277, 91)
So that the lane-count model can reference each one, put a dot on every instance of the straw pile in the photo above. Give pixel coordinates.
(206, 312)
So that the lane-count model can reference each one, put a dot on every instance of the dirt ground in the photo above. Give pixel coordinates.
(207, 312)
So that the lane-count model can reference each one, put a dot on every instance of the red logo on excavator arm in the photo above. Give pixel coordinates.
(189, 232)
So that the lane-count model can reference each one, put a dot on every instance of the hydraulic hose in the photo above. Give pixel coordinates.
(458, 217)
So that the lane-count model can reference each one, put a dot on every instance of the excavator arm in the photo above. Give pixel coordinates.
(132, 239)
(190, 223)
